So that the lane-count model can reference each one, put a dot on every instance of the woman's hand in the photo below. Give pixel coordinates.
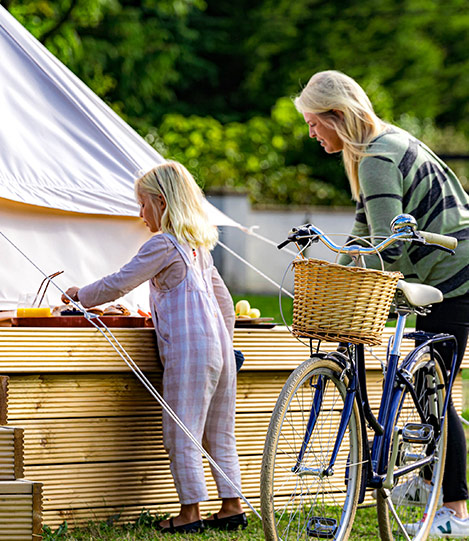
(72, 292)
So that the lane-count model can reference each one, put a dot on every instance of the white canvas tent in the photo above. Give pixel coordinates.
(67, 167)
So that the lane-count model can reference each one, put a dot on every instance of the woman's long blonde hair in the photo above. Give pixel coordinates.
(184, 215)
(328, 92)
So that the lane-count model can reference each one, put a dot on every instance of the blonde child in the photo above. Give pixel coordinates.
(193, 315)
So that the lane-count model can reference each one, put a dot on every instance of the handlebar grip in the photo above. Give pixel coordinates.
(283, 244)
(442, 240)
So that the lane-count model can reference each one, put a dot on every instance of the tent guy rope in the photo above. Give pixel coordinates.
(233, 253)
(120, 350)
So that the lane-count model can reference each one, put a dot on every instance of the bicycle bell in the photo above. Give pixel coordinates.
(403, 222)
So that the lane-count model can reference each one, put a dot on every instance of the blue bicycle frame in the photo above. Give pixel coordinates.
(383, 426)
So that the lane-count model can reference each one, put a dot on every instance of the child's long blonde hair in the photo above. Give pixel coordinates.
(184, 216)
(330, 91)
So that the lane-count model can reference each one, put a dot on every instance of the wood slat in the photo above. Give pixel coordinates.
(20, 510)
(123, 438)
(122, 483)
(11, 453)
(29, 350)
(3, 400)
(92, 395)
(32, 350)
(79, 395)
(277, 349)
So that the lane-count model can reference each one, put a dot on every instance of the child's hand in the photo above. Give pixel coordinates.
(72, 292)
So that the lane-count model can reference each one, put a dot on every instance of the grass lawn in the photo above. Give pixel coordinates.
(269, 306)
(365, 527)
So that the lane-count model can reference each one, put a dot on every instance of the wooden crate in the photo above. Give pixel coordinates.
(20, 511)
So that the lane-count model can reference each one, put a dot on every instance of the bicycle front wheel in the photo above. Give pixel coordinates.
(415, 496)
(299, 500)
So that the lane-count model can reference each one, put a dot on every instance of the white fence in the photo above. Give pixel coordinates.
(275, 225)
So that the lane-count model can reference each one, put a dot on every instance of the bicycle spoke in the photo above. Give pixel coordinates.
(414, 497)
(299, 499)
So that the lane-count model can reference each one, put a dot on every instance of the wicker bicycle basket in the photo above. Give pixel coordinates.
(341, 304)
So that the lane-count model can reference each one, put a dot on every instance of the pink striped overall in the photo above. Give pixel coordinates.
(199, 379)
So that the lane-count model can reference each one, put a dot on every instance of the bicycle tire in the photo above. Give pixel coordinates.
(417, 515)
(295, 505)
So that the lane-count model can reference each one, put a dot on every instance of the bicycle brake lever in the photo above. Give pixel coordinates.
(301, 236)
(452, 252)
(418, 239)
(302, 241)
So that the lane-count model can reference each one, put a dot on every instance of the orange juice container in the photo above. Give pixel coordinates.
(28, 306)
(42, 311)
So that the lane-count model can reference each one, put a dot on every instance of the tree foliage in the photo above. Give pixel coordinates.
(260, 155)
(210, 81)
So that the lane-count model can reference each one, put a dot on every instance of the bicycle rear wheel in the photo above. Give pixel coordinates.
(298, 501)
(415, 495)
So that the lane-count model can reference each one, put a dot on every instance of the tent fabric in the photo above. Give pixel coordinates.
(84, 246)
(61, 146)
(67, 170)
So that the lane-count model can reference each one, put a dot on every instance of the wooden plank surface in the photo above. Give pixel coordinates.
(277, 349)
(62, 396)
(116, 462)
(36, 350)
(3, 400)
(92, 432)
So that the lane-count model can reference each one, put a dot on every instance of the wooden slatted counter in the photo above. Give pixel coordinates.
(92, 432)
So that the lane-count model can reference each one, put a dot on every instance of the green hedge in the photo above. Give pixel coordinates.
(273, 157)
(270, 157)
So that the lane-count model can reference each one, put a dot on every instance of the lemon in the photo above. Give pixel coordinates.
(242, 308)
(254, 313)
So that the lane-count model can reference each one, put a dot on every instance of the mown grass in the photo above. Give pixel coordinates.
(269, 306)
(365, 527)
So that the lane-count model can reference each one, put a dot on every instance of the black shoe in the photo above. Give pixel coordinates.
(228, 523)
(192, 527)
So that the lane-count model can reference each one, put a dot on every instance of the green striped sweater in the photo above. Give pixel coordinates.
(402, 175)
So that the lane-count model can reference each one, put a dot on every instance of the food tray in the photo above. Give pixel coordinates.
(258, 322)
(79, 321)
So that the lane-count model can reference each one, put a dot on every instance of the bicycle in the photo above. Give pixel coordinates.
(318, 462)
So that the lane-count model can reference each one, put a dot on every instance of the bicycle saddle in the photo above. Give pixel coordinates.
(419, 294)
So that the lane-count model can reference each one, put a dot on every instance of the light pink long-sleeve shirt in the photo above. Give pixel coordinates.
(158, 261)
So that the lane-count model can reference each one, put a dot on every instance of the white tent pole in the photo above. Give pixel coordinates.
(120, 350)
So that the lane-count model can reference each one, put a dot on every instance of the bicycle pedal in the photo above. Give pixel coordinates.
(322, 527)
(417, 433)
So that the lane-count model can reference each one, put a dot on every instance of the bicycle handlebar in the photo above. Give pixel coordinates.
(404, 228)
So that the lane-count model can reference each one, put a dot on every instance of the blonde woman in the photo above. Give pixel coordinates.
(390, 173)
(193, 315)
